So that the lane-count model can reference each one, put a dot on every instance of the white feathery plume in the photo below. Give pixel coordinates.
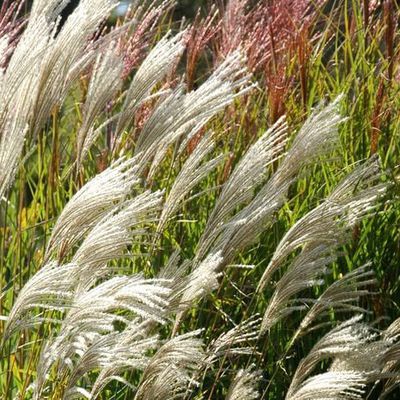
(24, 63)
(94, 313)
(43, 67)
(105, 82)
(153, 69)
(304, 272)
(113, 355)
(232, 343)
(230, 80)
(191, 173)
(390, 336)
(68, 54)
(318, 135)
(19, 87)
(91, 203)
(369, 359)
(244, 385)
(51, 288)
(346, 341)
(249, 173)
(202, 280)
(181, 115)
(341, 296)
(321, 231)
(347, 385)
(175, 275)
(393, 330)
(321, 225)
(235, 341)
(171, 370)
(11, 144)
(140, 296)
(199, 283)
(110, 237)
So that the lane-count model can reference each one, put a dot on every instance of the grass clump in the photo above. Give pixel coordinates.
(186, 236)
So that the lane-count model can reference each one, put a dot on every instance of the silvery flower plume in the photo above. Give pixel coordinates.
(180, 115)
(239, 188)
(342, 295)
(11, 144)
(90, 204)
(170, 372)
(191, 173)
(105, 83)
(346, 341)
(244, 385)
(152, 70)
(330, 222)
(238, 340)
(42, 69)
(201, 281)
(306, 271)
(68, 54)
(321, 232)
(143, 297)
(108, 75)
(227, 82)
(51, 288)
(112, 355)
(343, 339)
(318, 136)
(15, 105)
(391, 369)
(175, 274)
(94, 314)
(369, 359)
(348, 385)
(110, 237)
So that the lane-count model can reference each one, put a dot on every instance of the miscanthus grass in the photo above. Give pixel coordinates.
(108, 289)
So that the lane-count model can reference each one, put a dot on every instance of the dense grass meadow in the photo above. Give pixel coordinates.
(200, 200)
